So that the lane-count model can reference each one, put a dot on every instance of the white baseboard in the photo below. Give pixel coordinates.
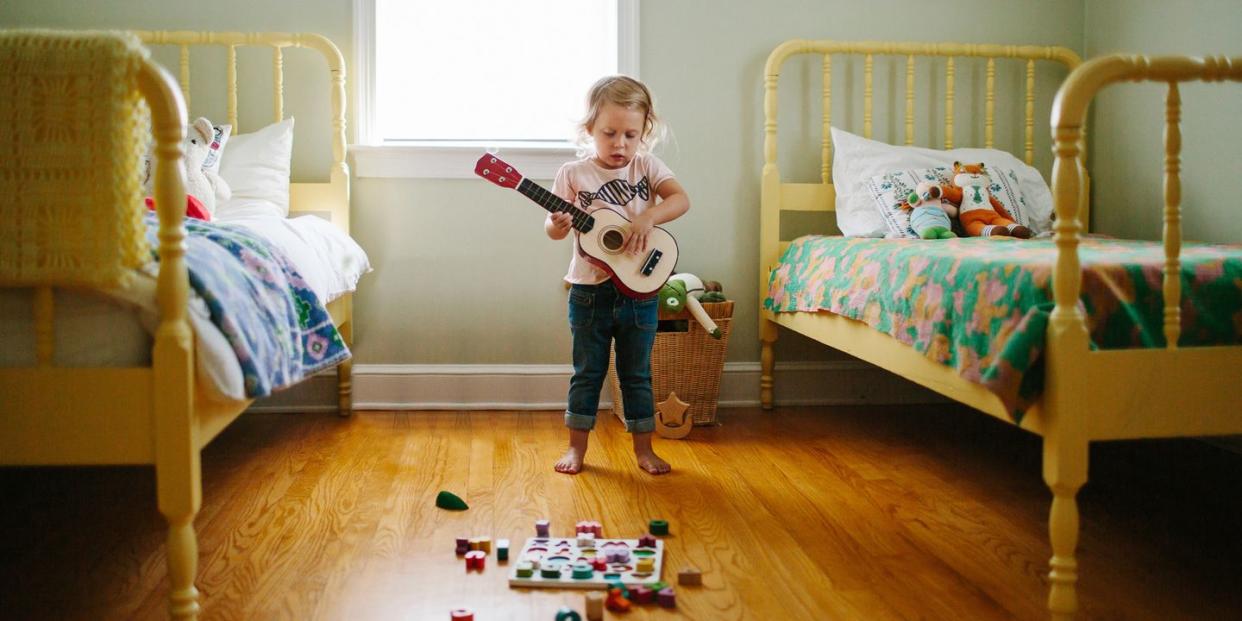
(542, 387)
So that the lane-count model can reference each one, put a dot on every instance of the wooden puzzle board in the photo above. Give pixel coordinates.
(566, 552)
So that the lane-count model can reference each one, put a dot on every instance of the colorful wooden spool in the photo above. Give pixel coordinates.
(583, 571)
(475, 559)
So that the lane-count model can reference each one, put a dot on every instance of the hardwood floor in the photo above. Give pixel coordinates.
(824, 513)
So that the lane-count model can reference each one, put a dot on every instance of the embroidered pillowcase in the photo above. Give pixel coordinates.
(857, 160)
(888, 192)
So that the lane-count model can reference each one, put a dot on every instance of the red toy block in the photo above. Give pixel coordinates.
(642, 595)
(475, 559)
(616, 602)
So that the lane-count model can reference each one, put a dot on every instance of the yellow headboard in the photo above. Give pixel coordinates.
(777, 197)
(331, 199)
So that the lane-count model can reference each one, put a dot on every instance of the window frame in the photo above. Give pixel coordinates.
(455, 160)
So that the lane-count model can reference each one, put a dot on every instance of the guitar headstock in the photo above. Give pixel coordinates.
(497, 171)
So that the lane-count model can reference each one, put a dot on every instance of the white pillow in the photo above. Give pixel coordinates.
(856, 160)
(256, 167)
(889, 192)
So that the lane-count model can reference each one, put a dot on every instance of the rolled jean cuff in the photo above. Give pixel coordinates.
(581, 421)
(640, 425)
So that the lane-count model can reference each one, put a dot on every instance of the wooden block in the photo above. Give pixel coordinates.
(525, 569)
(586, 539)
(485, 544)
(689, 576)
(541, 528)
(667, 597)
(462, 614)
(475, 560)
(646, 541)
(658, 527)
(594, 606)
(616, 602)
(645, 565)
(502, 549)
(474, 543)
(642, 595)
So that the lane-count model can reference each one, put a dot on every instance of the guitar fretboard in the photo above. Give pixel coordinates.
(553, 203)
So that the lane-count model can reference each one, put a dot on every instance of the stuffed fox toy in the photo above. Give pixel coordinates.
(979, 212)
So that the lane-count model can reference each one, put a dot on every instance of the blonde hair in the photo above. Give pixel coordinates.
(624, 91)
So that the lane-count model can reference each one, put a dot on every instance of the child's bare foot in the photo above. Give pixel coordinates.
(571, 461)
(647, 459)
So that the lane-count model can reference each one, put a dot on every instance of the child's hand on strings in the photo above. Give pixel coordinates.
(640, 227)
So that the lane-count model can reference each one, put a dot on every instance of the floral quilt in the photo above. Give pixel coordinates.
(276, 325)
(981, 306)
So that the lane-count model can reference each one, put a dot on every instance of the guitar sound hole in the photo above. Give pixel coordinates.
(613, 240)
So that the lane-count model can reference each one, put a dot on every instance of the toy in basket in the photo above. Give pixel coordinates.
(686, 359)
(588, 564)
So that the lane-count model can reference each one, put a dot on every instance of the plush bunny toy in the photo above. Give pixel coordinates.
(208, 187)
(929, 214)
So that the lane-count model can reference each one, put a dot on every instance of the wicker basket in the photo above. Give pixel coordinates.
(685, 360)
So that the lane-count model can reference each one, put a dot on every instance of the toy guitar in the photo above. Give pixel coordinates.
(601, 234)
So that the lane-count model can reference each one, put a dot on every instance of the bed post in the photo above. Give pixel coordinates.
(345, 370)
(1066, 435)
(178, 475)
(770, 216)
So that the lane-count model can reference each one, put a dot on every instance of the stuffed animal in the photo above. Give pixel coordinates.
(208, 187)
(682, 292)
(981, 214)
(929, 212)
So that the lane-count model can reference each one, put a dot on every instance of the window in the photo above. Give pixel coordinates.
(440, 81)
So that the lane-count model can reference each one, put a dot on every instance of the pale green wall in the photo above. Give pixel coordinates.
(1128, 120)
(463, 271)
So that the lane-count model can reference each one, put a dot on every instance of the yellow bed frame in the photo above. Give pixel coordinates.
(1089, 395)
(157, 415)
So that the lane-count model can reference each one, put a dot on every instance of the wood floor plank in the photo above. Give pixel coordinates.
(803, 513)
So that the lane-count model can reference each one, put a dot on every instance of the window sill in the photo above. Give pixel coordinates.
(453, 160)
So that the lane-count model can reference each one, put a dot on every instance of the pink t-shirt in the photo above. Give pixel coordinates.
(589, 186)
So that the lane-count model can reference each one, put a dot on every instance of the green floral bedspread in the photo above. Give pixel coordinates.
(981, 306)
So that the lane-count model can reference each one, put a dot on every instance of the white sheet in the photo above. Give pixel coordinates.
(94, 329)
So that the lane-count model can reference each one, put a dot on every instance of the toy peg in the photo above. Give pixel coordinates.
(475, 559)
(689, 576)
(541, 528)
(647, 541)
(645, 565)
(658, 527)
(502, 549)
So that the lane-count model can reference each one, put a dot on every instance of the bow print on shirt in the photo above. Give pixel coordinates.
(619, 192)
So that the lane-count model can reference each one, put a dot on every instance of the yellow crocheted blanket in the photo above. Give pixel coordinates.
(72, 130)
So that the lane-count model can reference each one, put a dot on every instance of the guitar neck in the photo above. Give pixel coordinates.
(553, 203)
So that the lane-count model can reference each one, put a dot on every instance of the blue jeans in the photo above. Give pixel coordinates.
(600, 315)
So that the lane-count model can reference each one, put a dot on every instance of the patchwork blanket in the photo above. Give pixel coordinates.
(276, 325)
(981, 306)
